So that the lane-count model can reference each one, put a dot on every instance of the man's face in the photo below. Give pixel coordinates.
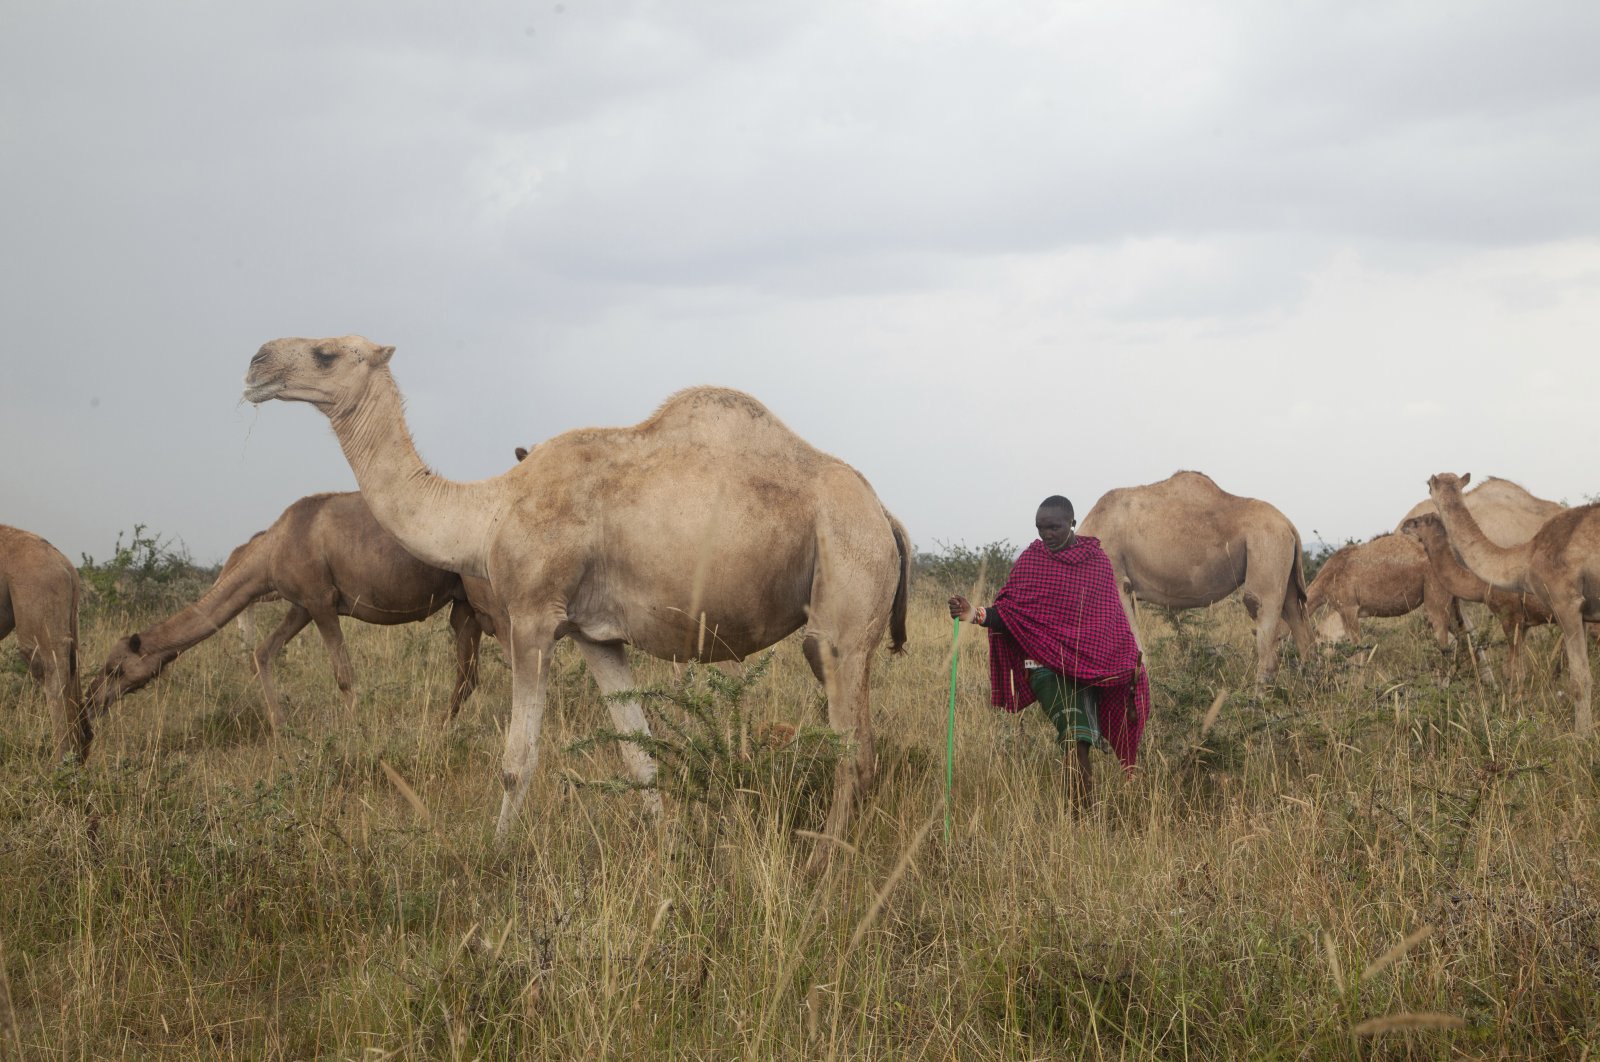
(1055, 528)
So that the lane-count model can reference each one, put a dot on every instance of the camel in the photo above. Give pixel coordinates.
(1559, 566)
(1387, 576)
(708, 531)
(39, 600)
(328, 557)
(1517, 613)
(1187, 543)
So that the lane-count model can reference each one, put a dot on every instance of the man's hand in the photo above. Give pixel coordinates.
(962, 609)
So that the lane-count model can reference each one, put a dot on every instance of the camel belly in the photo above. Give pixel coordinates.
(1186, 585)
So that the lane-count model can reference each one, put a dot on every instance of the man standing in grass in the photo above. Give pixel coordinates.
(1058, 635)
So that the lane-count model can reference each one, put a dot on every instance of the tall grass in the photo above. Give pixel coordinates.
(1379, 857)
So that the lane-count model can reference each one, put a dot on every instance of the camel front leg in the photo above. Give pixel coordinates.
(530, 661)
(608, 663)
(266, 653)
(1514, 631)
(1350, 620)
(464, 621)
(58, 672)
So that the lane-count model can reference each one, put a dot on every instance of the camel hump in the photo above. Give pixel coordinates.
(709, 414)
(709, 403)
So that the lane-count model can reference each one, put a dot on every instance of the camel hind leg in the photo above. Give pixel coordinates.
(851, 595)
(608, 663)
(264, 656)
(1264, 594)
(469, 634)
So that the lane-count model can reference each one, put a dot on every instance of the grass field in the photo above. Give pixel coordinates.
(1381, 836)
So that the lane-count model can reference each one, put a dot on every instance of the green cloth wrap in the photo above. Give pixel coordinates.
(1074, 709)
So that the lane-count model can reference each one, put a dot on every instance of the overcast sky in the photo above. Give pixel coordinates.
(983, 252)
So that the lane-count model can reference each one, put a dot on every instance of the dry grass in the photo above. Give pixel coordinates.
(199, 892)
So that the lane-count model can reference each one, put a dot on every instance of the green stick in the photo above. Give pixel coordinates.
(950, 729)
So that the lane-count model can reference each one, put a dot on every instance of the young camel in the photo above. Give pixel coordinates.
(1559, 566)
(328, 557)
(1187, 543)
(39, 600)
(708, 531)
(1387, 576)
(1517, 612)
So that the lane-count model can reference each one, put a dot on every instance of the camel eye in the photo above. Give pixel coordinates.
(324, 358)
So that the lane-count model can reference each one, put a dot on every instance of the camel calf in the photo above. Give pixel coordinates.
(39, 600)
(1387, 576)
(327, 557)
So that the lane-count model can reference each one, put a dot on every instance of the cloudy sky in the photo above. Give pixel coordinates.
(1318, 251)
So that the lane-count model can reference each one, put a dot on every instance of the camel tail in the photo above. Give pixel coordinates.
(1297, 577)
(897, 611)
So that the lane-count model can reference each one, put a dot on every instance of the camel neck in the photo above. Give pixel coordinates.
(1455, 577)
(437, 520)
(231, 594)
(1496, 565)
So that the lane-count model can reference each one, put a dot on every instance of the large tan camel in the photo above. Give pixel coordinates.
(1559, 566)
(39, 600)
(328, 557)
(1517, 612)
(708, 531)
(1386, 576)
(1187, 543)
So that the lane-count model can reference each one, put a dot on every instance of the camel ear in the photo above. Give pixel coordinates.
(1466, 477)
(382, 355)
(522, 451)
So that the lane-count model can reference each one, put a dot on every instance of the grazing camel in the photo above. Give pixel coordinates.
(328, 557)
(708, 531)
(39, 600)
(1387, 576)
(1187, 543)
(1517, 613)
(1559, 566)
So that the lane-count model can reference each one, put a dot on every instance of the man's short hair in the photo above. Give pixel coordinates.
(1056, 501)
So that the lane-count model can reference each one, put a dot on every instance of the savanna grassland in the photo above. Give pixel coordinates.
(1380, 857)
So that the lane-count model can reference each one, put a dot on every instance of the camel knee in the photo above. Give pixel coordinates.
(1252, 604)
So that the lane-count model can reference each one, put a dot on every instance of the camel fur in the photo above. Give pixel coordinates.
(1186, 543)
(709, 531)
(327, 557)
(1559, 566)
(39, 600)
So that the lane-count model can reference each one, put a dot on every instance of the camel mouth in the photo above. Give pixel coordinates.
(262, 391)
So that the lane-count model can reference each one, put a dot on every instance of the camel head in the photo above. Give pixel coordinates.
(1420, 527)
(127, 668)
(328, 373)
(1447, 484)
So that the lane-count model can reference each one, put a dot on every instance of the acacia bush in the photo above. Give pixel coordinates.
(146, 573)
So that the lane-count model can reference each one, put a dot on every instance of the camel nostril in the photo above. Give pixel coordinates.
(261, 356)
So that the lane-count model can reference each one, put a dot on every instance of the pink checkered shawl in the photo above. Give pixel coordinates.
(1062, 610)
